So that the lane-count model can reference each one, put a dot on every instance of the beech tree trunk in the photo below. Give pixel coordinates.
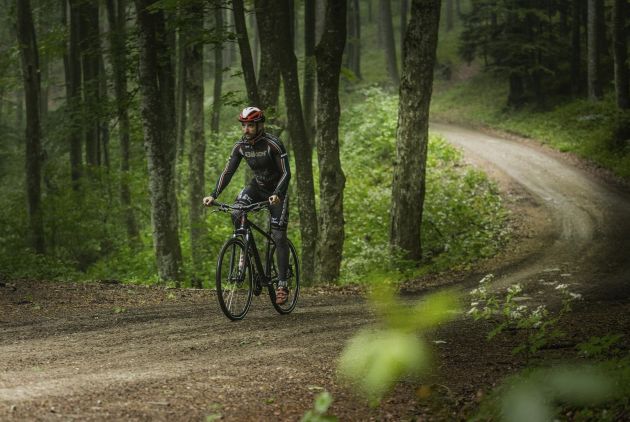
(388, 38)
(218, 73)
(595, 92)
(309, 68)
(332, 181)
(72, 67)
(247, 63)
(269, 70)
(412, 136)
(180, 84)
(196, 157)
(299, 141)
(117, 16)
(157, 109)
(353, 50)
(620, 53)
(29, 56)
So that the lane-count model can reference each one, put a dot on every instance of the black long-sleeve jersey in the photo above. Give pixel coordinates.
(267, 158)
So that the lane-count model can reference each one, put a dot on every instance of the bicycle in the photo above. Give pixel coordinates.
(240, 270)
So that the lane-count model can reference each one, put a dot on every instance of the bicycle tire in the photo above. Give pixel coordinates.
(234, 285)
(293, 281)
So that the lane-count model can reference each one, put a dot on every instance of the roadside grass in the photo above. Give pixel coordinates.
(587, 129)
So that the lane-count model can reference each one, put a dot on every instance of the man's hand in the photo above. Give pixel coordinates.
(208, 200)
(274, 199)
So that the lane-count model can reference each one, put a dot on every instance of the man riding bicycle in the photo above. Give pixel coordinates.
(268, 159)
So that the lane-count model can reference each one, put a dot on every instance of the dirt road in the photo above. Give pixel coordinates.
(111, 352)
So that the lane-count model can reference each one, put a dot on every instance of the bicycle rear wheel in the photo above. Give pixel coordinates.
(234, 280)
(293, 281)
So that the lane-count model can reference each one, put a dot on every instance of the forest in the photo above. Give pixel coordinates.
(117, 118)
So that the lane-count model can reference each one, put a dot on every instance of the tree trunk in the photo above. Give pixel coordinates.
(157, 108)
(412, 135)
(449, 15)
(246, 53)
(303, 155)
(255, 40)
(196, 158)
(353, 50)
(620, 53)
(29, 55)
(117, 17)
(269, 71)
(595, 92)
(104, 123)
(576, 55)
(329, 54)
(180, 85)
(90, 50)
(72, 67)
(309, 68)
(388, 38)
(218, 73)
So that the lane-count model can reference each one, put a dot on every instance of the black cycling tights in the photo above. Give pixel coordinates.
(282, 253)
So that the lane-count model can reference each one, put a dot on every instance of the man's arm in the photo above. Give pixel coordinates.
(282, 161)
(228, 171)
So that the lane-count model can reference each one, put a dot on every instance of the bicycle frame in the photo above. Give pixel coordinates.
(246, 231)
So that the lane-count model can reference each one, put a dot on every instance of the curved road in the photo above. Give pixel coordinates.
(101, 352)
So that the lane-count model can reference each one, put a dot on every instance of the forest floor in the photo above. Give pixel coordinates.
(103, 351)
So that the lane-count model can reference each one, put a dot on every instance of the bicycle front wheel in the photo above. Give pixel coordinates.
(234, 280)
(293, 281)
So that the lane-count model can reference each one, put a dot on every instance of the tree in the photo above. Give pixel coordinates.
(156, 82)
(218, 72)
(193, 61)
(284, 55)
(72, 67)
(329, 53)
(594, 35)
(412, 136)
(29, 55)
(576, 47)
(620, 53)
(117, 16)
(246, 53)
(309, 66)
(269, 71)
(353, 48)
(388, 38)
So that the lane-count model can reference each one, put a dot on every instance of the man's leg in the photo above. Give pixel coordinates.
(279, 221)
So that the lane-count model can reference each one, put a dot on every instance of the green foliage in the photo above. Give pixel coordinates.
(597, 347)
(375, 360)
(463, 219)
(320, 406)
(589, 392)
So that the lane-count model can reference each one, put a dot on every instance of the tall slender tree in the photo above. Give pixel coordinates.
(196, 159)
(620, 53)
(117, 18)
(180, 81)
(269, 71)
(594, 52)
(156, 81)
(413, 123)
(29, 55)
(247, 63)
(353, 48)
(388, 38)
(329, 53)
(218, 72)
(308, 97)
(576, 47)
(72, 67)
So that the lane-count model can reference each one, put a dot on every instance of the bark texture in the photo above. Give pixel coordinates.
(268, 22)
(218, 73)
(412, 135)
(308, 97)
(29, 56)
(157, 111)
(332, 181)
(116, 14)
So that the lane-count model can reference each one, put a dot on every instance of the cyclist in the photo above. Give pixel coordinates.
(268, 159)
